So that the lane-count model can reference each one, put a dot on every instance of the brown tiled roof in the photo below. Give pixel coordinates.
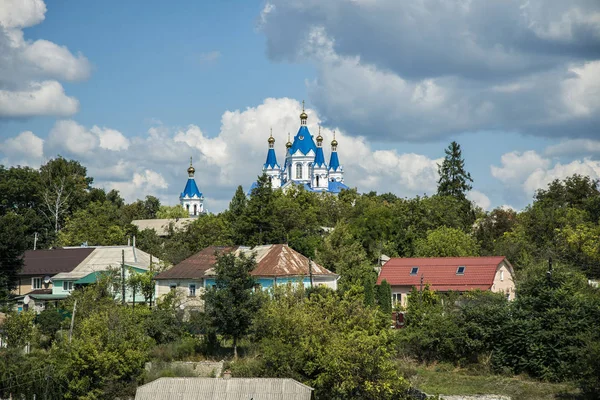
(194, 267)
(51, 262)
(440, 273)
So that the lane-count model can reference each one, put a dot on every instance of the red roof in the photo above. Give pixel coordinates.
(195, 266)
(440, 273)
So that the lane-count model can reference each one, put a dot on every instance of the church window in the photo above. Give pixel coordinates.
(187, 207)
(317, 180)
(195, 209)
(298, 171)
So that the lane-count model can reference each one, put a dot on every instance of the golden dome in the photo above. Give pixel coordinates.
(271, 138)
(334, 142)
(303, 115)
(288, 144)
(191, 169)
(319, 138)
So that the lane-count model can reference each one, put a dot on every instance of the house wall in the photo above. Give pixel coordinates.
(403, 291)
(163, 287)
(504, 281)
(24, 284)
(268, 282)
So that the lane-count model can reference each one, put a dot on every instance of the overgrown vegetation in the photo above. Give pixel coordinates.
(338, 342)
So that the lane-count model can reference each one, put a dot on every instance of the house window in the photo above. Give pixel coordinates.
(192, 290)
(502, 275)
(172, 288)
(36, 283)
(396, 299)
(460, 270)
(298, 171)
(414, 270)
(67, 286)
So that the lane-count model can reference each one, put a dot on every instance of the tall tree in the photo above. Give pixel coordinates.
(12, 246)
(231, 304)
(454, 179)
(446, 242)
(259, 220)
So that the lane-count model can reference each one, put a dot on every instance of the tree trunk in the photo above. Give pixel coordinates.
(235, 355)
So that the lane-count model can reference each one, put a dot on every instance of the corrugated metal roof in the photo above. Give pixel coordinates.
(441, 273)
(103, 257)
(224, 389)
(54, 261)
(271, 260)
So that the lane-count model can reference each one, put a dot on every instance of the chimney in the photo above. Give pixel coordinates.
(227, 374)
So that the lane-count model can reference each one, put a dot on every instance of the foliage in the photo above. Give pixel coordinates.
(231, 303)
(12, 247)
(446, 242)
(330, 342)
(171, 212)
(17, 329)
(384, 297)
(97, 225)
(454, 179)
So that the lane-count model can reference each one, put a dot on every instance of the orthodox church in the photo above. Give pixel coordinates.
(191, 198)
(305, 163)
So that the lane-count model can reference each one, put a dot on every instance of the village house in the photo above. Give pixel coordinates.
(275, 264)
(444, 274)
(51, 275)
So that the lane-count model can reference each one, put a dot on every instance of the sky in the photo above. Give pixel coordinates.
(133, 89)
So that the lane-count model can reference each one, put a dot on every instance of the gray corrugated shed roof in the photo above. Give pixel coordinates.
(224, 389)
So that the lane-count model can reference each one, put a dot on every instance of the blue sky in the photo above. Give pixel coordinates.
(133, 89)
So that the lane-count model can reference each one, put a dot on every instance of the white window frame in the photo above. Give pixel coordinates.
(299, 171)
(458, 272)
(501, 276)
(36, 283)
(396, 299)
(192, 293)
(416, 272)
(68, 286)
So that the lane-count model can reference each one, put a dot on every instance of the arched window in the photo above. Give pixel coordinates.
(195, 209)
(298, 171)
(317, 180)
(187, 207)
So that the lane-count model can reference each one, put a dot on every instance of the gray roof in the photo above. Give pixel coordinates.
(224, 389)
(161, 226)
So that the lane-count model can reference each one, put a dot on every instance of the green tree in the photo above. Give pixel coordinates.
(98, 224)
(454, 179)
(259, 222)
(384, 297)
(12, 246)
(171, 212)
(231, 304)
(446, 242)
(17, 329)
(235, 215)
(329, 341)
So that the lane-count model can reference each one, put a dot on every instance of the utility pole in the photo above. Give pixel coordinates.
(72, 321)
(152, 271)
(421, 290)
(310, 272)
(123, 276)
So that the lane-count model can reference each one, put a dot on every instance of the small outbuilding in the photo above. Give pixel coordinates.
(224, 389)
(444, 274)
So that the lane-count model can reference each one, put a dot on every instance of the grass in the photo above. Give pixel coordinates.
(442, 379)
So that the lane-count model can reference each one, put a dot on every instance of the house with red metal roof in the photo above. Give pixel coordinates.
(444, 274)
(275, 264)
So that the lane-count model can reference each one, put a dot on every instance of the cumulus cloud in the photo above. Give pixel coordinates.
(30, 70)
(425, 69)
(574, 147)
(77, 140)
(528, 172)
(25, 149)
(156, 162)
(480, 199)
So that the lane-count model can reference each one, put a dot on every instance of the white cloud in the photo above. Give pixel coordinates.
(155, 163)
(21, 13)
(528, 172)
(25, 149)
(39, 98)
(30, 70)
(110, 139)
(517, 166)
(480, 199)
(209, 57)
